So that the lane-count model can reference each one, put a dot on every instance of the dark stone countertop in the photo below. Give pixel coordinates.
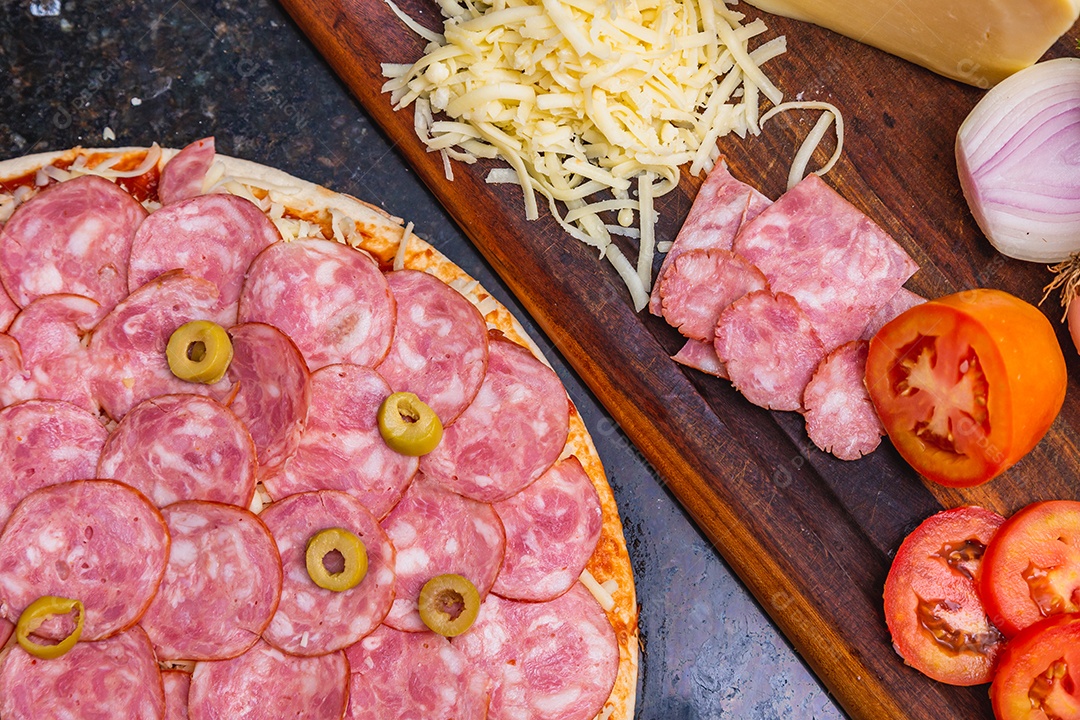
(178, 70)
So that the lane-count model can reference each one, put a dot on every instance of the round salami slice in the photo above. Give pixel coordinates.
(436, 531)
(74, 237)
(8, 309)
(400, 675)
(182, 177)
(440, 347)
(840, 417)
(266, 684)
(177, 683)
(96, 540)
(114, 678)
(42, 443)
(512, 432)
(331, 299)
(770, 348)
(552, 528)
(182, 447)
(700, 284)
(221, 586)
(214, 237)
(342, 448)
(312, 620)
(554, 660)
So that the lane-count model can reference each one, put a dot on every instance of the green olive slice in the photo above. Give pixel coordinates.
(199, 351)
(449, 604)
(408, 425)
(336, 547)
(38, 612)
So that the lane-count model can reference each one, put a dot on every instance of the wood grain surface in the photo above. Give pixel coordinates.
(810, 535)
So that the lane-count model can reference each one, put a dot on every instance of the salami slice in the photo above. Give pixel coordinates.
(8, 309)
(840, 418)
(435, 532)
(512, 432)
(221, 586)
(331, 299)
(440, 346)
(114, 678)
(552, 528)
(312, 620)
(700, 284)
(182, 177)
(176, 684)
(770, 349)
(10, 368)
(266, 684)
(74, 237)
(341, 448)
(401, 675)
(554, 660)
(902, 301)
(214, 237)
(42, 443)
(700, 356)
(182, 447)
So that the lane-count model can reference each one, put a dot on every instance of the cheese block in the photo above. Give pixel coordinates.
(979, 42)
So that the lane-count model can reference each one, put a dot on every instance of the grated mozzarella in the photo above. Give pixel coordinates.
(599, 591)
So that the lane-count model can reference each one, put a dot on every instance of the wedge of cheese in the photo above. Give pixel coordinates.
(979, 42)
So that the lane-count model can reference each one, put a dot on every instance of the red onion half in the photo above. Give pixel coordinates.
(1018, 156)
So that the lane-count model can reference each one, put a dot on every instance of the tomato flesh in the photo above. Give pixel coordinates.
(1038, 676)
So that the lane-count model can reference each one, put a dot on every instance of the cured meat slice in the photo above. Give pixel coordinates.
(722, 206)
(840, 418)
(74, 237)
(440, 347)
(554, 660)
(176, 684)
(902, 301)
(700, 356)
(342, 448)
(182, 177)
(770, 349)
(221, 586)
(435, 532)
(128, 345)
(836, 262)
(312, 620)
(513, 431)
(10, 367)
(8, 309)
(700, 284)
(114, 678)
(42, 443)
(266, 684)
(96, 540)
(214, 237)
(331, 299)
(552, 528)
(182, 447)
(401, 675)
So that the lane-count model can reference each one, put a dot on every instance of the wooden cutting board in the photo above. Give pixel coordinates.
(811, 536)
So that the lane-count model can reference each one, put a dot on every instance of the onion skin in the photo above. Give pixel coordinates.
(1018, 159)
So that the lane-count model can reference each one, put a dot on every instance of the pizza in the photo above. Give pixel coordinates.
(197, 352)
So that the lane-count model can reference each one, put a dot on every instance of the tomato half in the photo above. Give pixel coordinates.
(932, 606)
(967, 384)
(1032, 568)
(1038, 674)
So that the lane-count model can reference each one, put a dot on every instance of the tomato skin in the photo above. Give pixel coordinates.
(1019, 384)
(1045, 536)
(921, 579)
(1027, 657)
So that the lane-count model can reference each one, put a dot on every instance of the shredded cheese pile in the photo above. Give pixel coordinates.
(594, 104)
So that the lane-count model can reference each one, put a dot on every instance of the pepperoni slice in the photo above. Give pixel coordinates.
(840, 417)
(353, 319)
(440, 348)
(114, 678)
(341, 448)
(182, 447)
(700, 284)
(435, 532)
(74, 237)
(554, 660)
(312, 620)
(176, 684)
(266, 684)
(182, 177)
(512, 432)
(221, 587)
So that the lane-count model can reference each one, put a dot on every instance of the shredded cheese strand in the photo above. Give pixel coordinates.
(813, 138)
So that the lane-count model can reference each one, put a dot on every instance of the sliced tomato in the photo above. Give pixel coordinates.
(1032, 568)
(1038, 674)
(967, 384)
(932, 606)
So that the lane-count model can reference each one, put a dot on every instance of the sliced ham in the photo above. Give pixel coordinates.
(840, 418)
(899, 303)
(182, 177)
